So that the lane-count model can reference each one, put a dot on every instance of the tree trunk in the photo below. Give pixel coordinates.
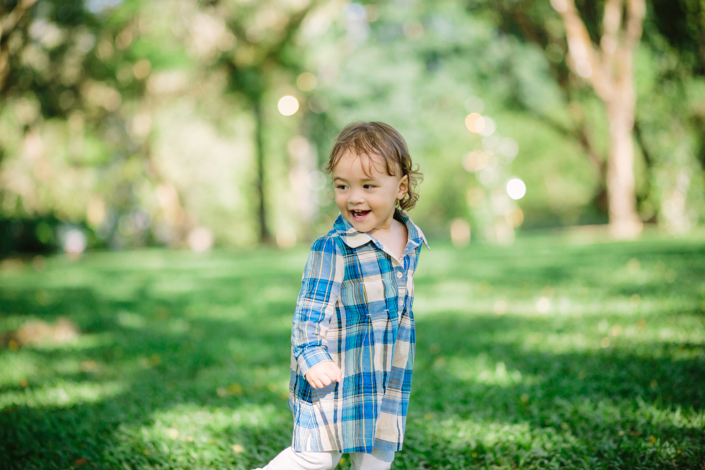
(264, 236)
(624, 221)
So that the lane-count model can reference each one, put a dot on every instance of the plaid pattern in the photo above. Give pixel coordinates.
(354, 308)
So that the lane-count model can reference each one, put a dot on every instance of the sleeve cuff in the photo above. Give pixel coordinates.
(311, 357)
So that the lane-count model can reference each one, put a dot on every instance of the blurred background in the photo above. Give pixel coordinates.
(544, 129)
(186, 123)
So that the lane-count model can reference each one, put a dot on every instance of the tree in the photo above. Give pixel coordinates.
(610, 71)
(72, 67)
(265, 33)
(607, 68)
(669, 119)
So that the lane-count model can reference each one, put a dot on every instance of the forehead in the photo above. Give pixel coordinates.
(360, 165)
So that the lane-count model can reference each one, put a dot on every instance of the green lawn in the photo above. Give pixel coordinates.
(545, 354)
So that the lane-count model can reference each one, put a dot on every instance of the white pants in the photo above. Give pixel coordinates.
(290, 460)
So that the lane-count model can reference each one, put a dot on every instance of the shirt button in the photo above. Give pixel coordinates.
(399, 275)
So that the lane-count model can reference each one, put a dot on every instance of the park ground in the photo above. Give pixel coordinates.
(550, 353)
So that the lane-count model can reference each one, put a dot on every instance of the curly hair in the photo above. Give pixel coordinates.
(378, 138)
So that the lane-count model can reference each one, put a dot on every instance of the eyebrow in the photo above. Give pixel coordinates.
(340, 178)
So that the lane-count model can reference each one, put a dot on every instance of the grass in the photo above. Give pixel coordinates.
(545, 354)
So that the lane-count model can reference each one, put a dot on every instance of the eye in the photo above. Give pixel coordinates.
(341, 186)
(369, 186)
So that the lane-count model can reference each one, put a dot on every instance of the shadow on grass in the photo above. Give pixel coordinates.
(161, 359)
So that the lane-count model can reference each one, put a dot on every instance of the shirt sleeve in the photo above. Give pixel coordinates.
(320, 290)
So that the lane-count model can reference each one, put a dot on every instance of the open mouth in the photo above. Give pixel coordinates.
(359, 215)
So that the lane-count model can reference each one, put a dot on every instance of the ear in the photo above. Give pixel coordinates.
(403, 188)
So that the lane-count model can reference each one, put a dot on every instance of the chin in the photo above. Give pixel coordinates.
(361, 227)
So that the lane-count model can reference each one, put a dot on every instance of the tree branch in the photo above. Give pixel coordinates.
(8, 23)
(585, 59)
(611, 25)
(636, 11)
(580, 131)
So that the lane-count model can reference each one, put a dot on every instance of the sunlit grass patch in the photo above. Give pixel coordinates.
(190, 435)
(482, 370)
(60, 394)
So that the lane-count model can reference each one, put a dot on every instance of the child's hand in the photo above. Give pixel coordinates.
(323, 374)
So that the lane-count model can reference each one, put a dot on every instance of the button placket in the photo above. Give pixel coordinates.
(401, 282)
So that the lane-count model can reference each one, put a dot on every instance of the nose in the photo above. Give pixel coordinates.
(356, 197)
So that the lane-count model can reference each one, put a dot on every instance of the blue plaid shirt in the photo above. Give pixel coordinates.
(354, 309)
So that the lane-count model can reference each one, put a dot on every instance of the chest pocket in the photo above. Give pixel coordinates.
(363, 297)
(374, 295)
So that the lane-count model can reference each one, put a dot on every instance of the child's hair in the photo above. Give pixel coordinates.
(378, 138)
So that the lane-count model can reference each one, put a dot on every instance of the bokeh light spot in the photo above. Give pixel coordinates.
(306, 81)
(516, 189)
(74, 242)
(475, 122)
(508, 148)
(288, 105)
(488, 177)
(460, 233)
(489, 127)
(515, 218)
(200, 239)
(475, 161)
(141, 69)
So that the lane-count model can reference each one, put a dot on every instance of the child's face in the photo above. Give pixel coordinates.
(365, 194)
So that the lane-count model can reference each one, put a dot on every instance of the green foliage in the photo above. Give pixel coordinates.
(547, 354)
(419, 69)
(127, 100)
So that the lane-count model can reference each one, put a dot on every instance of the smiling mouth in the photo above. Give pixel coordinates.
(359, 215)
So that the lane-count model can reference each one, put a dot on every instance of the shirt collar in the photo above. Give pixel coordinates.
(355, 239)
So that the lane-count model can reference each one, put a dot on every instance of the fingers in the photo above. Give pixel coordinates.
(318, 382)
(337, 374)
(323, 374)
(334, 374)
(313, 383)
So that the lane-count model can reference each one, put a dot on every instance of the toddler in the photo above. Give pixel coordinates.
(353, 333)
